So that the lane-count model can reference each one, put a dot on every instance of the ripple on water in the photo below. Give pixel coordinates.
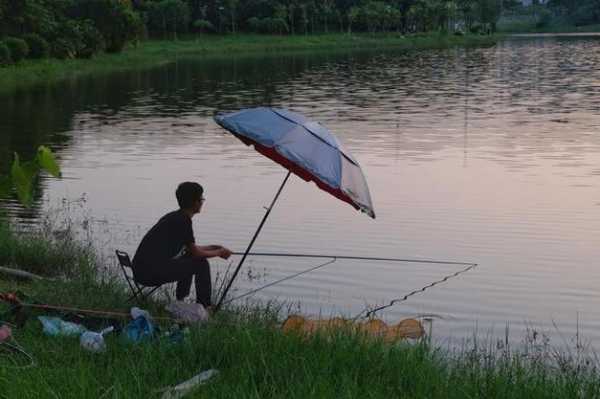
(484, 155)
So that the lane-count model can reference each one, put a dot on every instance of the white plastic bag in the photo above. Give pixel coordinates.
(188, 312)
(93, 341)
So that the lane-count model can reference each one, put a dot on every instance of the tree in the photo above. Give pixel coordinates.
(115, 19)
(168, 17)
(488, 12)
(231, 6)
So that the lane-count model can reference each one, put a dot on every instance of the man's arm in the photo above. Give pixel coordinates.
(208, 251)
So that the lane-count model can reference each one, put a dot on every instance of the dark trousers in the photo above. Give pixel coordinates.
(182, 270)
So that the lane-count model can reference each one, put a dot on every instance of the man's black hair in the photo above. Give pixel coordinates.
(187, 193)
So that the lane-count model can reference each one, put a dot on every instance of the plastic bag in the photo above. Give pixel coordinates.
(55, 326)
(93, 341)
(188, 312)
(141, 327)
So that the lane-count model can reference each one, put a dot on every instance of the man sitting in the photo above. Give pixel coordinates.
(168, 251)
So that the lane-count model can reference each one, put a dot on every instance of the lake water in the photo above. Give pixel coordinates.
(480, 155)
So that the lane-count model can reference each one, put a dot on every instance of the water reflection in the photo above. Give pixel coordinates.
(485, 155)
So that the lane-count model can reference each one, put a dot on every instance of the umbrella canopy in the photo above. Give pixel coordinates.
(304, 147)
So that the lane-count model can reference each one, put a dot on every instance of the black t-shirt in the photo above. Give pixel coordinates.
(165, 239)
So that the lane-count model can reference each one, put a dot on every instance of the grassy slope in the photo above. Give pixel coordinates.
(152, 53)
(257, 361)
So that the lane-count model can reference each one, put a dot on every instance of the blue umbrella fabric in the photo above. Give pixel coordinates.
(304, 147)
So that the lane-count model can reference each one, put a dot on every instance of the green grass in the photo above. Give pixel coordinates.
(256, 360)
(153, 53)
(45, 251)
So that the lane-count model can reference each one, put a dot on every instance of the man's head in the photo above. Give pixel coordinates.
(189, 196)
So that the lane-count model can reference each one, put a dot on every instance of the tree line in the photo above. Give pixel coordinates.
(81, 28)
(575, 12)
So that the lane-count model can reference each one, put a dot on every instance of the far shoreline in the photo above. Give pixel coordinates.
(152, 53)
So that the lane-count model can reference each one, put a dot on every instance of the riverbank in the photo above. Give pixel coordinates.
(255, 359)
(152, 53)
(530, 26)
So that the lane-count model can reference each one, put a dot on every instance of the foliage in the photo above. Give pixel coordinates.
(91, 40)
(18, 48)
(267, 25)
(38, 46)
(63, 48)
(5, 58)
(122, 21)
(114, 19)
(23, 175)
(168, 17)
(204, 26)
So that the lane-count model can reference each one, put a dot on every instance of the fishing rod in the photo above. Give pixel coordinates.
(340, 257)
(13, 299)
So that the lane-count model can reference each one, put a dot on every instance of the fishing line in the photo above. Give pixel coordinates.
(279, 281)
(336, 257)
(443, 262)
(405, 297)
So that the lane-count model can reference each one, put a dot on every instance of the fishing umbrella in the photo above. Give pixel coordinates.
(306, 149)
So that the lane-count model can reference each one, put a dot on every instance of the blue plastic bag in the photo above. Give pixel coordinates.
(141, 327)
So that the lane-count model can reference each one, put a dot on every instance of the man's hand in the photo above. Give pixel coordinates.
(209, 251)
(224, 253)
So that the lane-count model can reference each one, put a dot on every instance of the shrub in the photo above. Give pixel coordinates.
(5, 58)
(38, 46)
(64, 48)
(92, 40)
(18, 48)
(204, 26)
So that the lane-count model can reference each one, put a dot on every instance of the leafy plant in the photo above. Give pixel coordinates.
(23, 174)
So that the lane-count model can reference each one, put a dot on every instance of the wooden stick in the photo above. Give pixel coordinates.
(22, 274)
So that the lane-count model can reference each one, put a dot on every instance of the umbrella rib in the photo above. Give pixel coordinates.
(315, 135)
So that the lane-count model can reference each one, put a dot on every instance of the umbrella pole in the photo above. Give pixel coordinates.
(260, 226)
